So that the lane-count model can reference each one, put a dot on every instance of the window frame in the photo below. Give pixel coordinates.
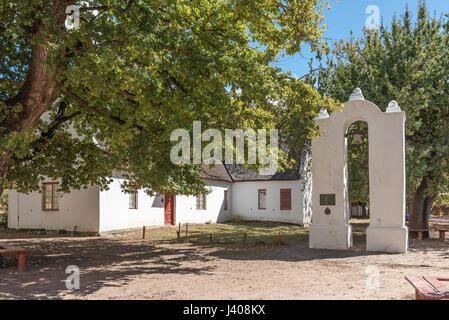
(284, 191)
(135, 196)
(53, 196)
(259, 191)
(198, 202)
(225, 200)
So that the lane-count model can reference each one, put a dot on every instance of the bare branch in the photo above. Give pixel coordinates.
(59, 120)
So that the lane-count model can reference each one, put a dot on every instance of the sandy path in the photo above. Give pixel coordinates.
(129, 269)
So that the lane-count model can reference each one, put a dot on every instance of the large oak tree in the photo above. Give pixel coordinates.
(134, 71)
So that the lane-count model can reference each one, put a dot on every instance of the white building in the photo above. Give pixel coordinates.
(235, 191)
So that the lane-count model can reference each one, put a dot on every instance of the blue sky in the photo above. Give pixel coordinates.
(349, 15)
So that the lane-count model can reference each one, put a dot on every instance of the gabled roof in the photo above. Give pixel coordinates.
(235, 173)
(239, 173)
(218, 172)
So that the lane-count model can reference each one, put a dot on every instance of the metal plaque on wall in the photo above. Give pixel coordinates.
(327, 199)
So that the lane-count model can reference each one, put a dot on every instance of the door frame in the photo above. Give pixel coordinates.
(174, 209)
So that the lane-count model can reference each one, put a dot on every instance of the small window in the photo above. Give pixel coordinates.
(133, 197)
(133, 200)
(262, 199)
(50, 196)
(225, 200)
(286, 199)
(201, 202)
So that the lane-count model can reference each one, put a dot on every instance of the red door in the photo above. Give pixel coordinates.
(169, 212)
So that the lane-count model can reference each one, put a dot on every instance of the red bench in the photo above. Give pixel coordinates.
(442, 233)
(421, 231)
(21, 255)
(429, 288)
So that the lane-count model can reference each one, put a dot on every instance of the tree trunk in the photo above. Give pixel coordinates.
(419, 208)
(4, 168)
(40, 88)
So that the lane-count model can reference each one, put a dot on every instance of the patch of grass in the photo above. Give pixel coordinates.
(359, 221)
(231, 234)
(233, 218)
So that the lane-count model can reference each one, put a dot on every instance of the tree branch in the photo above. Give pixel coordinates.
(86, 104)
(130, 2)
(59, 120)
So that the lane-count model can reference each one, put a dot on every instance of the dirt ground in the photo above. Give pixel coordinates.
(113, 267)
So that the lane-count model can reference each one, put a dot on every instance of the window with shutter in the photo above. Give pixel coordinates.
(262, 199)
(286, 199)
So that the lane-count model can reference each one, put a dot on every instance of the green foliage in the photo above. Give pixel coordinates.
(4, 208)
(358, 169)
(137, 70)
(442, 200)
(407, 62)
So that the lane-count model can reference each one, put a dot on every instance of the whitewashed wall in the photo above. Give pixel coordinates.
(387, 231)
(92, 210)
(307, 201)
(245, 201)
(115, 213)
(186, 205)
(307, 188)
(78, 208)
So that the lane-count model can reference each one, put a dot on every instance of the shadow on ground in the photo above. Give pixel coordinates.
(111, 262)
(102, 262)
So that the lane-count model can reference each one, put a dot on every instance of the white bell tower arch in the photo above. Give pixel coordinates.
(330, 220)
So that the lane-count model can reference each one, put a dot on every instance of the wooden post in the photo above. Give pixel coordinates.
(21, 262)
(244, 237)
(143, 233)
(179, 232)
(187, 232)
(210, 237)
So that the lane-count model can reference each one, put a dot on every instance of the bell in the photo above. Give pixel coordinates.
(357, 139)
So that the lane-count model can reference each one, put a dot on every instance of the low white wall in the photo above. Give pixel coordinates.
(186, 205)
(115, 213)
(245, 201)
(78, 208)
